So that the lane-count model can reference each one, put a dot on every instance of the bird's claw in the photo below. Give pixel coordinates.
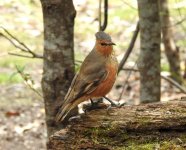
(118, 105)
(74, 118)
(94, 105)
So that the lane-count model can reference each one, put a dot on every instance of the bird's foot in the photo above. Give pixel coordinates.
(117, 105)
(113, 104)
(74, 118)
(96, 104)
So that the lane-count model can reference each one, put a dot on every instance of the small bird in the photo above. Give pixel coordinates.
(95, 78)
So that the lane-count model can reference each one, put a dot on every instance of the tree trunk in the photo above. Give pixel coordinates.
(128, 127)
(58, 69)
(171, 50)
(149, 60)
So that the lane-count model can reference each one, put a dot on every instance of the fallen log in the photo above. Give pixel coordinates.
(161, 125)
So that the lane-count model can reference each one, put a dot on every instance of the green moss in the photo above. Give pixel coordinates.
(166, 145)
(119, 139)
(135, 146)
(143, 120)
(107, 135)
(183, 138)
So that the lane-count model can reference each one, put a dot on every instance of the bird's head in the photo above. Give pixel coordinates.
(104, 43)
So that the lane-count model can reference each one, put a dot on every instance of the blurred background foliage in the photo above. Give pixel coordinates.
(23, 19)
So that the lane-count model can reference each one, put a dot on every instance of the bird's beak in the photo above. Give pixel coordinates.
(111, 43)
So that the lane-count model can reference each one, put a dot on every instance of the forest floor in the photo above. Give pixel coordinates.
(22, 116)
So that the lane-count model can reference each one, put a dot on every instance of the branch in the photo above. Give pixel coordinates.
(126, 3)
(21, 45)
(26, 78)
(129, 50)
(175, 24)
(126, 81)
(171, 81)
(20, 55)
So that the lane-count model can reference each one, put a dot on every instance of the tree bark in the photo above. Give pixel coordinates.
(171, 50)
(58, 69)
(149, 59)
(123, 127)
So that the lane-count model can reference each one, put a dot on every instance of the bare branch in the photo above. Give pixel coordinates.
(173, 82)
(126, 3)
(27, 83)
(126, 81)
(21, 45)
(175, 24)
(20, 55)
(129, 50)
(130, 69)
(12, 42)
(180, 22)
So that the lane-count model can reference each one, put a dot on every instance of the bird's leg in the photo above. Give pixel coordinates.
(113, 104)
(95, 104)
(97, 101)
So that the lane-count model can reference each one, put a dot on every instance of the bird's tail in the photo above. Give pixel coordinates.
(63, 112)
(66, 108)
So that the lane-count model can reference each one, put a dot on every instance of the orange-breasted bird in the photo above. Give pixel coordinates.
(95, 78)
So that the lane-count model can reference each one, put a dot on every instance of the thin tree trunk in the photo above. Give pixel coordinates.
(149, 61)
(171, 50)
(58, 69)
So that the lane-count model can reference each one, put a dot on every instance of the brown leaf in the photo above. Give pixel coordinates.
(12, 113)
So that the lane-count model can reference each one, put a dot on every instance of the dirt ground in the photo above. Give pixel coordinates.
(22, 124)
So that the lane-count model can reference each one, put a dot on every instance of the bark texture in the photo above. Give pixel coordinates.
(58, 69)
(171, 50)
(123, 127)
(149, 59)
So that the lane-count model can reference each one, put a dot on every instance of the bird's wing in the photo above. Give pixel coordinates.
(82, 84)
(89, 83)
(85, 83)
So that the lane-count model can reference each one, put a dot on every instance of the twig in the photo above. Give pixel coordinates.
(180, 15)
(175, 24)
(125, 82)
(20, 55)
(126, 3)
(79, 61)
(173, 82)
(130, 69)
(26, 82)
(129, 50)
(21, 45)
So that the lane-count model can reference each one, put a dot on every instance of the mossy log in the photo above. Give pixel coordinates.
(128, 127)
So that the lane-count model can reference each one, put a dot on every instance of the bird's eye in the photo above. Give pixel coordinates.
(103, 44)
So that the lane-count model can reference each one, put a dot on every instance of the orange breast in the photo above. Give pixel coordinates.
(107, 84)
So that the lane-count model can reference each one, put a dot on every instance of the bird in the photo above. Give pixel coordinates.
(95, 78)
